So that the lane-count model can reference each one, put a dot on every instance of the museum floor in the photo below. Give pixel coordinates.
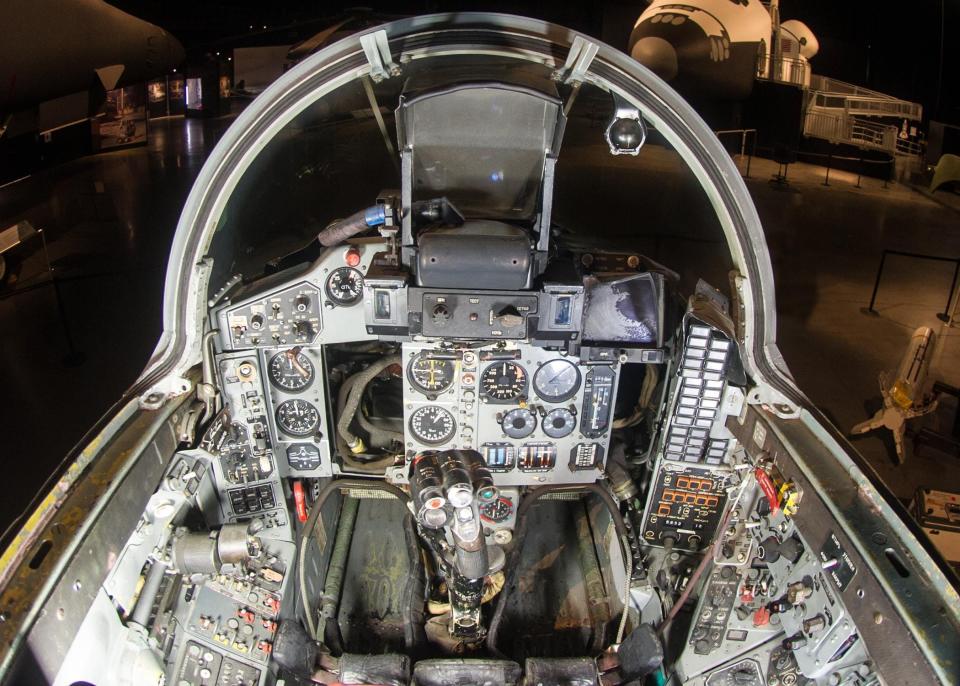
(109, 219)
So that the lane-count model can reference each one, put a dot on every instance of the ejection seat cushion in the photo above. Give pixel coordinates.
(387, 670)
(461, 672)
(561, 671)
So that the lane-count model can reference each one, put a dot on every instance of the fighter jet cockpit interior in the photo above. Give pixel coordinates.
(432, 407)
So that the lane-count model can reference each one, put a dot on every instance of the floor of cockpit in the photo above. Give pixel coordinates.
(563, 603)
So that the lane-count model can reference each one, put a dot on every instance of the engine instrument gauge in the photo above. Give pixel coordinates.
(432, 425)
(559, 423)
(496, 511)
(503, 381)
(534, 457)
(519, 423)
(297, 417)
(345, 286)
(557, 380)
(291, 370)
(431, 375)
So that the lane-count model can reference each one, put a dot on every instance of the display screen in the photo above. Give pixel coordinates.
(623, 309)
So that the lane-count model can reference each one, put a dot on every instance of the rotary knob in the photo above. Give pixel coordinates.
(303, 328)
(302, 303)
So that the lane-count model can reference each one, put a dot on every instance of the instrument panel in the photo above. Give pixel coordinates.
(536, 415)
(323, 304)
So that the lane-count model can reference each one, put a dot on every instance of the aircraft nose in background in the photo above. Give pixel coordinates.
(657, 55)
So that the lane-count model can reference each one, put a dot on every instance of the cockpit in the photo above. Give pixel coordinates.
(418, 416)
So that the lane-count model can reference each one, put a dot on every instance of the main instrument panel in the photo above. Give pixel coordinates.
(536, 415)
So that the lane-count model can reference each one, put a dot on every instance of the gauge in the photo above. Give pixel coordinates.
(291, 370)
(534, 457)
(496, 511)
(557, 380)
(345, 286)
(586, 456)
(297, 417)
(597, 402)
(432, 425)
(519, 423)
(303, 456)
(430, 374)
(559, 423)
(503, 381)
(499, 457)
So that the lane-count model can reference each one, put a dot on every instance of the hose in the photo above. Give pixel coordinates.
(330, 600)
(358, 382)
(311, 524)
(358, 222)
(592, 579)
(415, 592)
(380, 437)
(373, 467)
(513, 565)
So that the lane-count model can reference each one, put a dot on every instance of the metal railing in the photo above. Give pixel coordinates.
(942, 316)
(836, 94)
(829, 85)
(744, 135)
(843, 128)
(783, 70)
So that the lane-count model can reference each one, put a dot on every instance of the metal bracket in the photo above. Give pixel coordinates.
(227, 288)
(579, 59)
(773, 401)
(168, 387)
(376, 47)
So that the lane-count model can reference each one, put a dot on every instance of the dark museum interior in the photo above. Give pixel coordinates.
(480, 343)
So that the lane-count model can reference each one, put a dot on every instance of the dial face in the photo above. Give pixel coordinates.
(503, 381)
(431, 375)
(432, 425)
(557, 380)
(291, 370)
(559, 422)
(303, 456)
(496, 511)
(345, 286)
(519, 423)
(297, 417)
